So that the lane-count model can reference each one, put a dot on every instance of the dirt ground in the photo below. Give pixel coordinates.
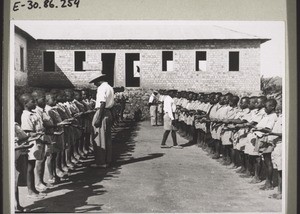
(146, 178)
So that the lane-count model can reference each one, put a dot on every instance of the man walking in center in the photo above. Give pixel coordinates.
(102, 122)
(169, 120)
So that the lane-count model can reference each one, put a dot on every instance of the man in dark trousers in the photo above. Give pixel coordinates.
(102, 122)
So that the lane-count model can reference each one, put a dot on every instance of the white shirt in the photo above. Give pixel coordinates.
(169, 106)
(184, 103)
(277, 128)
(105, 93)
(153, 98)
(30, 121)
(214, 110)
(267, 121)
(222, 112)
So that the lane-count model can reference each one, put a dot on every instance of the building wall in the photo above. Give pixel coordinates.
(20, 76)
(183, 77)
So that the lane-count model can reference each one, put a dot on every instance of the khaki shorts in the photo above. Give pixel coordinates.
(251, 148)
(225, 138)
(277, 156)
(37, 152)
(168, 123)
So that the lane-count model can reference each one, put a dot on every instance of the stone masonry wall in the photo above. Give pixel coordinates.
(183, 77)
(20, 76)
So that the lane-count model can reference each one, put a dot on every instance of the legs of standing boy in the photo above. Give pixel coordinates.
(277, 161)
(269, 169)
(50, 162)
(32, 192)
(39, 175)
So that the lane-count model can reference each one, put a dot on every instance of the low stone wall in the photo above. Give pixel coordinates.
(137, 103)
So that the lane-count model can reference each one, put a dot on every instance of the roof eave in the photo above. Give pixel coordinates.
(53, 39)
(23, 32)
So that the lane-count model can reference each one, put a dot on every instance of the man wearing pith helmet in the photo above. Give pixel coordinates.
(102, 122)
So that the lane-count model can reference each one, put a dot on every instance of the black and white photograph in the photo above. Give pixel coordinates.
(148, 116)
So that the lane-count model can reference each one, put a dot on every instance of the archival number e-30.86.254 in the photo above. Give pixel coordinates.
(29, 4)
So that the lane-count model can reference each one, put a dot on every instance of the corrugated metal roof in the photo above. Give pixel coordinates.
(129, 30)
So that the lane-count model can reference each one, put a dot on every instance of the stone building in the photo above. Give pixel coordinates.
(137, 54)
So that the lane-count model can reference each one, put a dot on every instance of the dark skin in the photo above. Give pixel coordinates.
(252, 103)
(243, 105)
(84, 95)
(213, 99)
(232, 103)
(61, 98)
(227, 99)
(30, 104)
(77, 96)
(269, 108)
(51, 101)
(260, 103)
(222, 101)
(69, 96)
(41, 102)
(257, 103)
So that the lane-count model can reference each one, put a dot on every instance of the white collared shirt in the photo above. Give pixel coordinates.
(277, 128)
(30, 121)
(105, 93)
(169, 106)
(213, 111)
(153, 98)
(268, 121)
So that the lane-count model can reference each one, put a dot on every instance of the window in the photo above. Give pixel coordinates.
(234, 59)
(132, 69)
(79, 59)
(200, 60)
(22, 59)
(167, 60)
(49, 61)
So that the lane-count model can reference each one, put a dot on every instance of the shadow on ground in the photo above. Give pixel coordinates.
(84, 181)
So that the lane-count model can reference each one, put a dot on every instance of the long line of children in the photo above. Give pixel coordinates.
(53, 133)
(244, 134)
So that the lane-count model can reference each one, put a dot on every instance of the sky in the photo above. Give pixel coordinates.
(272, 51)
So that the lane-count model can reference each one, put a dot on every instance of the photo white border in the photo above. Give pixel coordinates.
(11, 75)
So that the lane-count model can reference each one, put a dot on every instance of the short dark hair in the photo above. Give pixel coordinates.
(273, 101)
(235, 99)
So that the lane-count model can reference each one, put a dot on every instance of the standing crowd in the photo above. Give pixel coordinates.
(55, 130)
(244, 133)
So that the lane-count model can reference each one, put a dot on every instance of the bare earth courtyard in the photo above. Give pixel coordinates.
(146, 178)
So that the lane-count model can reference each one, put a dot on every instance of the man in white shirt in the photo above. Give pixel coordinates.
(102, 122)
(169, 110)
(153, 102)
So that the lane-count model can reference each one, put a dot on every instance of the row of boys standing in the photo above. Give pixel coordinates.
(58, 129)
(243, 135)
(58, 124)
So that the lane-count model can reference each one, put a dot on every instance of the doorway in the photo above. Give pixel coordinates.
(108, 66)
